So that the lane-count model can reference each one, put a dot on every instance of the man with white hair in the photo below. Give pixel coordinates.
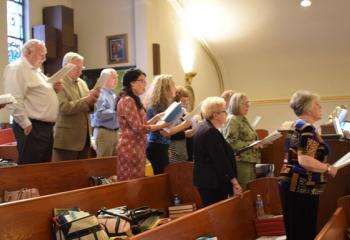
(104, 120)
(36, 107)
(72, 130)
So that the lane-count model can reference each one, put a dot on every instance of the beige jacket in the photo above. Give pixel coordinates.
(73, 122)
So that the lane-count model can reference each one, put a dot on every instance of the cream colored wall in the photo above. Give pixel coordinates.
(3, 52)
(167, 29)
(94, 20)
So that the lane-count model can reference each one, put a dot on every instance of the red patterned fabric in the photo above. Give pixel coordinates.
(132, 140)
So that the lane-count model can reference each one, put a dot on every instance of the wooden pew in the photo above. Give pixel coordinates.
(269, 191)
(229, 219)
(55, 177)
(31, 218)
(340, 221)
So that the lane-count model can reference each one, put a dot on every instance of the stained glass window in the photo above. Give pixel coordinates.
(15, 32)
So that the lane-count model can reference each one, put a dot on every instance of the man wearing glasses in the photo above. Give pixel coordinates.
(72, 130)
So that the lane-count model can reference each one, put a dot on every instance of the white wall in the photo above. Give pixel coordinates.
(167, 29)
(94, 20)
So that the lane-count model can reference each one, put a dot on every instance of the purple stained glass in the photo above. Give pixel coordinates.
(14, 48)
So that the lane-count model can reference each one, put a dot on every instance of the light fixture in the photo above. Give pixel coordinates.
(305, 3)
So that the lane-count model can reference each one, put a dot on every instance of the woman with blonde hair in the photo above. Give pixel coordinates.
(158, 98)
(214, 169)
(239, 133)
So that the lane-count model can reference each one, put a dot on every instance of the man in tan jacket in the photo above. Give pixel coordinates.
(72, 129)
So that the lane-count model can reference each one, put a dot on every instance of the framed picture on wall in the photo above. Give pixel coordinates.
(117, 49)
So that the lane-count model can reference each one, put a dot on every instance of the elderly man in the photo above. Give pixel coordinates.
(72, 130)
(36, 109)
(104, 120)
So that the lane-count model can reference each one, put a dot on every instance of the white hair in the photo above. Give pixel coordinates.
(71, 56)
(30, 45)
(106, 73)
(210, 105)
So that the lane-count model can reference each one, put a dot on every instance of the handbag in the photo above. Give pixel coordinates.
(85, 228)
(95, 181)
(114, 224)
(23, 193)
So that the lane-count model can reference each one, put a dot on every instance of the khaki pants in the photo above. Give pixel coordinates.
(106, 142)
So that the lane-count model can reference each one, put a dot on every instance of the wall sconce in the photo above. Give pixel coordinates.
(305, 3)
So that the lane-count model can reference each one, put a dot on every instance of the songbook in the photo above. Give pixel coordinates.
(7, 99)
(61, 73)
(194, 112)
(343, 161)
(173, 111)
(256, 121)
(99, 83)
(267, 140)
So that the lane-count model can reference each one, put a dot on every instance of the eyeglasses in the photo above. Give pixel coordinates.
(224, 111)
(142, 81)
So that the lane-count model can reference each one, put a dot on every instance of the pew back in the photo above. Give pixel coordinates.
(268, 189)
(335, 227)
(344, 202)
(31, 218)
(230, 219)
(55, 177)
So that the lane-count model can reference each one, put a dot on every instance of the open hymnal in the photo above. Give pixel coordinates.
(99, 83)
(61, 73)
(6, 99)
(194, 112)
(267, 140)
(343, 161)
(172, 112)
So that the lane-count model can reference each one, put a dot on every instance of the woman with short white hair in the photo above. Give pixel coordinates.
(302, 178)
(214, 171)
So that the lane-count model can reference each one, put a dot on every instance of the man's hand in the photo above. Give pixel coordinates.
(57, 86)
(27, 130)
(92, 97)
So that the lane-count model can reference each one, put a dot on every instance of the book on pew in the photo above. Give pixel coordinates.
(267, 140)
(181, 210)
(343, 161)
(61, 73)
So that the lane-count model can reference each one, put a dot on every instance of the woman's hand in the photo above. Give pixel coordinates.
(157, 117)
(237, 189)
(332, 171)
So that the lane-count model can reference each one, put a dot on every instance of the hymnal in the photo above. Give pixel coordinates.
(267, 140)
(7, 98)
(172, 112)
(61, 73)
(343, 161)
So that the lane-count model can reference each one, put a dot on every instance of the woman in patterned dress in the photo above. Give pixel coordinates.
(302, 177)
(133, 126)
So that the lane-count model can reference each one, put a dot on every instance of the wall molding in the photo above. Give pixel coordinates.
(286, 100)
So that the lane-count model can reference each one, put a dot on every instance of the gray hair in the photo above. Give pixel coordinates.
(236, 102)
(106, 73)
(211, 105)
(71, 56)
(301, 101)
(30, 45)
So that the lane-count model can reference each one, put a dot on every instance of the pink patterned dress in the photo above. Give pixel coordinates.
(131, 148)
